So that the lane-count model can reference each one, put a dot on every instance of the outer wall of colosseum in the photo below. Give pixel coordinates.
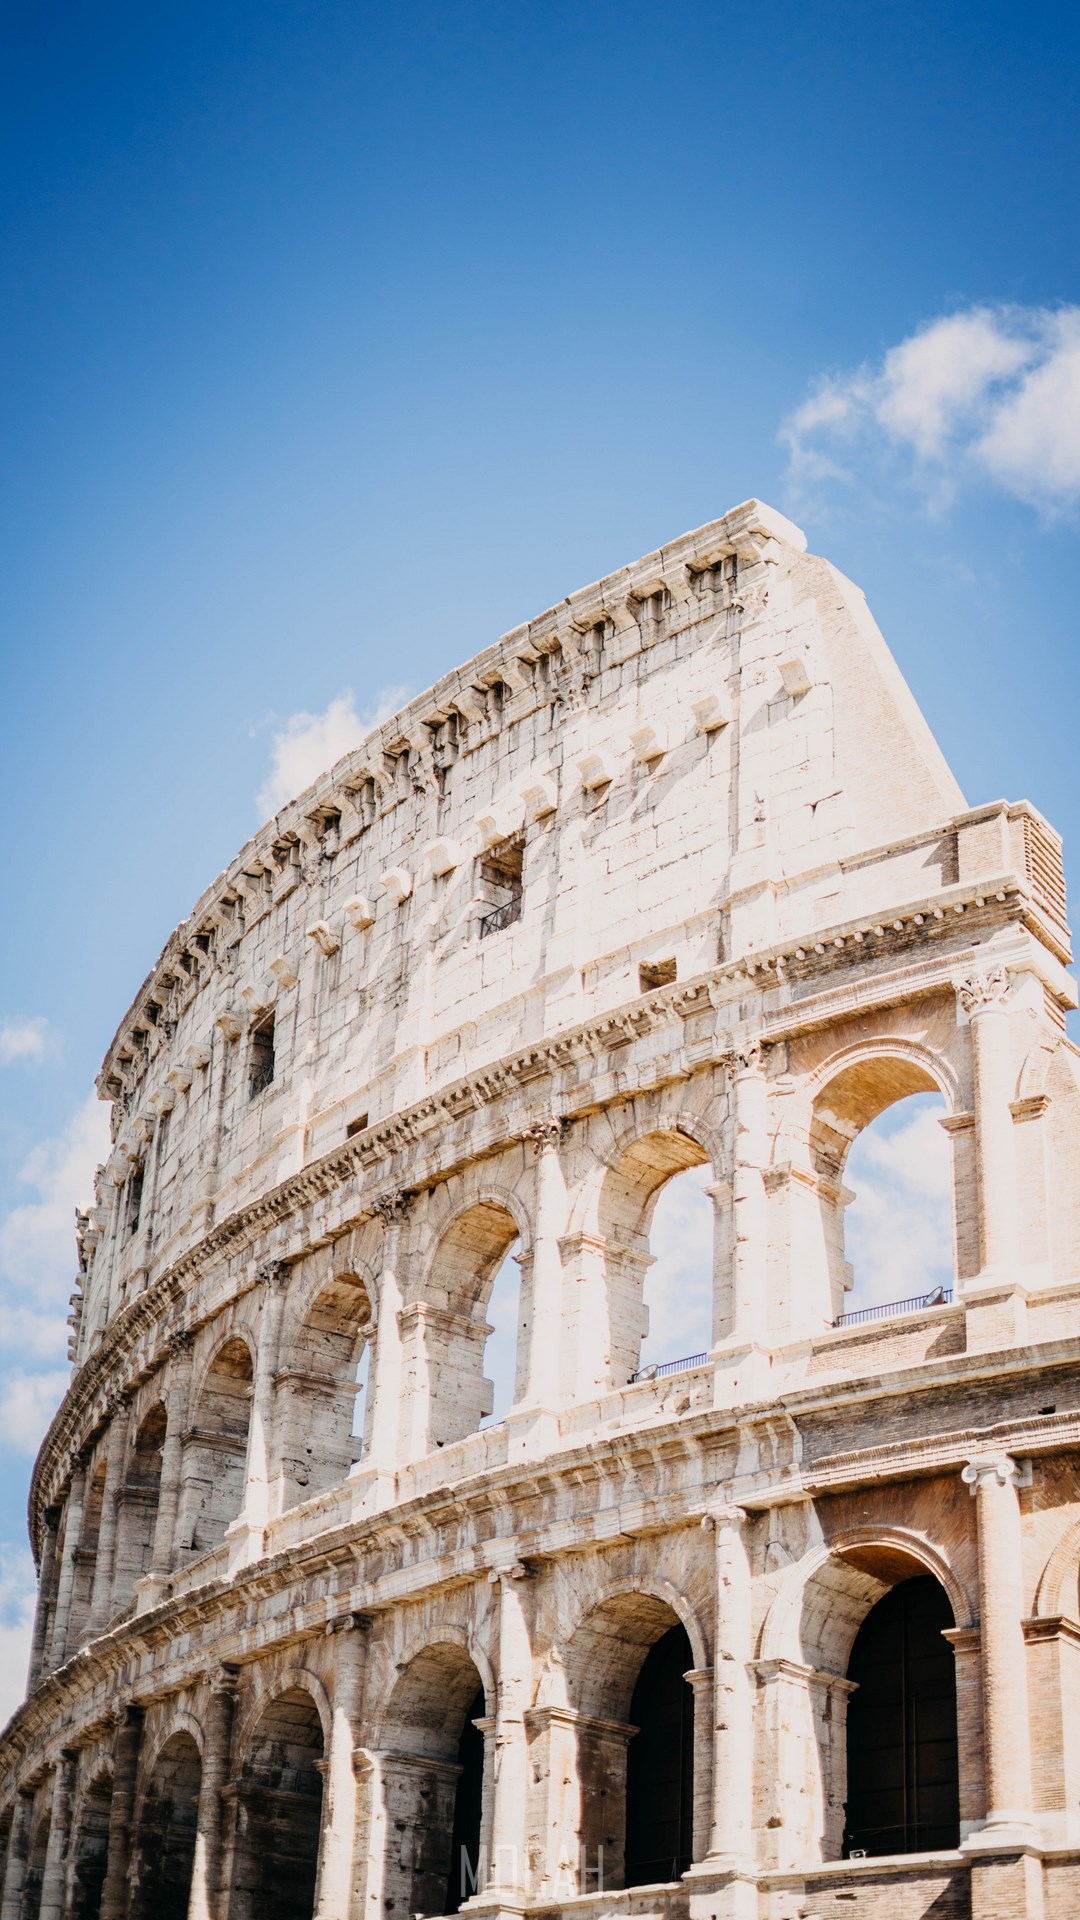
(674, 876)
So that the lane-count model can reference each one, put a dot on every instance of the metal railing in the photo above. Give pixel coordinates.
(937, 1297)
(659, 1370)
(503, 916)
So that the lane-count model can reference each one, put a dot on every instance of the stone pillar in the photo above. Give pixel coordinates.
(101, 1598)
(992, 1479)
(731, 1829)
(53, 1883)
(114, 1893)
(333, 1899)
(45, 1611)
(542, 1389)
(984, 998)
(162, 1557)
(385, 1385)
(506, 1866)
(204, 1902)
(17, 1855)
(750, 1238)
(65, 1586)
(250, 1525)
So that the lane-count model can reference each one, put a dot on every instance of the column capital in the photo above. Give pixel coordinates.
(273, 1273)
(544, 1133)
(181, 1347)
(747, 1057)
(980, 992)
(725, 1519)
(394, 1206)
(990, 1469)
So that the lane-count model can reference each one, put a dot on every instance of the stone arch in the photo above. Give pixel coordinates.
(1058, 1588)
(215, 1448)
(613, 1213)
(265, 1688)
(139, 1502)
(445, 1331)
(179, 1721)
(164, 1852)
(805, 1647)
(316, 1383)
(276, 1854)
(845, 1093)
(90, 1844)
(30, 1906)
(432, 1771)
(82, 1588)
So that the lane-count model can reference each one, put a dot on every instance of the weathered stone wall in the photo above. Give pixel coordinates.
(673, 877)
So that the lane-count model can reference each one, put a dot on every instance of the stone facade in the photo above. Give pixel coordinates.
(672, 876)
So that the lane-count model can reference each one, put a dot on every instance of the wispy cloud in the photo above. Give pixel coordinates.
(306, 744)
(898, 1229)
(28, 1041)
(16, 1625)
(37, 1237)
(989, 393)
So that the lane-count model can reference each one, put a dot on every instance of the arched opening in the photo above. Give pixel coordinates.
(903, 1776)
(678, 1292)
(633, 1732)
(631, 1198)
(500, 1359)
(884, 1188)
(660, 1765)
(216, 1449)
(139, 1504)
(30, 1906)
(90, 1851)
(280, 1813)
(446, 1338)
(433, 1784)
(318, 1389)
(165, 1852)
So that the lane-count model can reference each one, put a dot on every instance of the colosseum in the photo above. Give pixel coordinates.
(671, 878)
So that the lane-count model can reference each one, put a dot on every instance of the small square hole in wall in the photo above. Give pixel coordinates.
(657, 973)
(356, 1126)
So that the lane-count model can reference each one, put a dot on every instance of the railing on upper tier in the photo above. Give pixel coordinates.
(937, 1297)
(659, 1370)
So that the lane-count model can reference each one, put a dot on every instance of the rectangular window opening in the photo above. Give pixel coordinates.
(135, 1194)
(356, 1126)
(656, 973)
(500, 879)
(261, 1057)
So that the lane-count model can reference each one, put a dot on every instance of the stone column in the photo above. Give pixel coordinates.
(750, 1238)
(204, 1902)
(65, 1586)
(333, 1900)
(984, 998)
(172, 1461)
(542, 1390)
(114, 1893)
(506, 1868)
(45, 1611)
(53, 1883)
(252, 1521)
(392, 1209)
(17, 1855)
(992, 1478)
(731, 1828)
(101, 1598)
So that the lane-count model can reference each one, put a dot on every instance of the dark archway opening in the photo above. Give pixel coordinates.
(463, 1879)
(660, 1765)
(903, 1776)
(280, 1814)
(166, 1848)
(91, 1850)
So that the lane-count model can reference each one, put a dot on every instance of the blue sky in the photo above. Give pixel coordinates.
(338, 339)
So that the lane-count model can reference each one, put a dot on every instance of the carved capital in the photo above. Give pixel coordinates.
(749, 1057)
(274, 1273)
(725, 1519)
(990, 1469)
(981, 990)
(181, 1347)
(545, 1133)
(391, 1207)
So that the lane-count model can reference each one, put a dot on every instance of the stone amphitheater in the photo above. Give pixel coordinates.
(672, 877)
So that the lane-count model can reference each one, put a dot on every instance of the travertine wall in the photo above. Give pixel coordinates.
(674, 876)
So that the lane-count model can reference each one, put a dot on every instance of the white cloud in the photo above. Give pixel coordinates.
(898, 1229)
(27, 1040)
(37, 1269)
(679, 1285)
(990, 392)
(17, 1590)
(309, 743)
